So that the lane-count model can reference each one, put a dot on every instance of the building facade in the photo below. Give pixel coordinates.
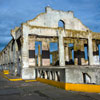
(70, 64)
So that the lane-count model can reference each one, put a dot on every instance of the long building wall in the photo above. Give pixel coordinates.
(19, 55)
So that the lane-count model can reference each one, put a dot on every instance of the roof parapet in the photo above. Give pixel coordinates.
(48, 9)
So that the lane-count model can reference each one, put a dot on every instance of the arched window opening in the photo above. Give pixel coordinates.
(61, 24)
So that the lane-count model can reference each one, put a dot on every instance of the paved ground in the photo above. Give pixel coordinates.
(38, 91)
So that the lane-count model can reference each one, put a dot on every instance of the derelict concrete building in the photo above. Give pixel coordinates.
(20, 58)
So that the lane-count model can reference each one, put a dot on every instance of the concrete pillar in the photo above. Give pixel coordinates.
(25, 52)
(27, 72)
(16, 57)
(45, 53)
(3, 60)
(15, 65)
(10, 57)
(39, 56)
(0, 59)
(82, 52)
(90, 49)
(6, 58)
(32, 59)
(61, 49)
(75, 54)
(95, 48)
(66, 53)
(79, 52)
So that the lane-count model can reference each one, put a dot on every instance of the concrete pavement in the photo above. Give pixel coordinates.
(38, 91)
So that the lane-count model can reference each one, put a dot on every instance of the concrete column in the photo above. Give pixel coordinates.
(66, 53)
(45, 53)
(75, 54)
(0, 59)
(25, 52)
(11, 70)
(82, 52)
(16, 58)
(95, 48)
(13, 67)
(90, 49)
(6, 58)
(27, 72)
(61, 49)
(15, 49)
(3, 60)
(32, 59)
(39, 56)
(10, 58)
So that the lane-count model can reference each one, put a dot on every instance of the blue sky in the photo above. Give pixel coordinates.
(14, 12)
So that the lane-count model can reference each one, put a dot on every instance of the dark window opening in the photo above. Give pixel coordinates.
(86, 78)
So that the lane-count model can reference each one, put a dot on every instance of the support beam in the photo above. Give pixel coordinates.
(39, 56)
(75, 54)
(95, 48)
(45, 53)
(90, 49)
(15, 65)
(61, 49)
(10, 57)
(66, 53)
(32, 58)
(26, 71)
(25, 52)
(82, 52)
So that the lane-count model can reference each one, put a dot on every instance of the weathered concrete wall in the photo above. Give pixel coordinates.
(51, 18)
(51, 73)
(46, 25)
(74, 74)
(71, 74)
(97, 73)
(28, 73)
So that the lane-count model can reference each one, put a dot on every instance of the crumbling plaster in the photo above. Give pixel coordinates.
(51, 18)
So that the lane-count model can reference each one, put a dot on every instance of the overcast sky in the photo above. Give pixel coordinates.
(15, 12)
